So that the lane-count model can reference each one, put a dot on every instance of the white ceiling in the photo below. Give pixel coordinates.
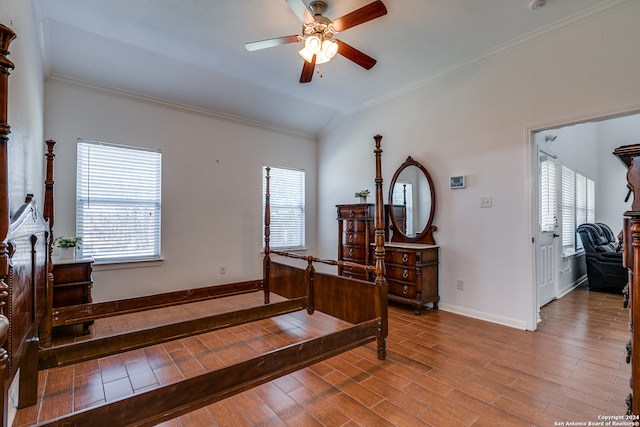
(192, 51)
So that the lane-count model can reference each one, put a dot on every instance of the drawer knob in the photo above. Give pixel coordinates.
(350, 226)
(405, 273)
(350, 251)
(405, 290)
(351, 214)
(405, 257)
(350, 238)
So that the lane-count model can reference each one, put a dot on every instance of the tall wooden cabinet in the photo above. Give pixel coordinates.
(356, 230)
(630, 156)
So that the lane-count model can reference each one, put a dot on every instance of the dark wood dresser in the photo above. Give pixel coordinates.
(356, 230)
(72, 283)
(412, 273)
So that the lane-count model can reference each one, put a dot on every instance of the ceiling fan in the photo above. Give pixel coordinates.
(318, 32)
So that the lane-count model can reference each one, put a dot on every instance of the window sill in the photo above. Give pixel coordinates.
(122, 265)
(296, 249)
(572, 254)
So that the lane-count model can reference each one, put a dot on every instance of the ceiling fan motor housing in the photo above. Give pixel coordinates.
(318, 8)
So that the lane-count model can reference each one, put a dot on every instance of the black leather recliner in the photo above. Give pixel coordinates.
(605, 272)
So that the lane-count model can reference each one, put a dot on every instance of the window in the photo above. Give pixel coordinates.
(403, 195)
(548, 195)
(286, 205)
(578, 207)
(118, 201)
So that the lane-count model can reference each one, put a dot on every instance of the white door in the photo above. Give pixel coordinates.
(547, 242)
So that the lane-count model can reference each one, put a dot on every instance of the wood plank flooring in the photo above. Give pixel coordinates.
(442, 370)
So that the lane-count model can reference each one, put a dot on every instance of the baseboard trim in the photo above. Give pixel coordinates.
(481, 315)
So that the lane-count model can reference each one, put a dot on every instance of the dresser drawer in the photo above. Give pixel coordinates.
(356, 226)
(358, 212)
(398, 256)
(405, 290)
(399, 272)
(354, 273)
(349, 238)
(354, 254)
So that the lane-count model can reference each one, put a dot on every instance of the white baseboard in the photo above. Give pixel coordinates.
(480, 315)
(572, 286)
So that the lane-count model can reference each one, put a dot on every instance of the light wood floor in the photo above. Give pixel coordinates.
(441, 370)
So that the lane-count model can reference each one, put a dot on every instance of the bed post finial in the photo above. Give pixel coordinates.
(381, 282)
(6, 37)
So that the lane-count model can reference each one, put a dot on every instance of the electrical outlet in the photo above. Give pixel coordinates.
(460, 284)
(485, 202)
(223, 269)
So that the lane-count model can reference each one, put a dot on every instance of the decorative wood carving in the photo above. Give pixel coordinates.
(6, 36)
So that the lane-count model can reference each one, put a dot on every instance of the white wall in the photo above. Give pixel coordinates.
(476, 122)
(211, 184)
(611, 187)
(24, 104)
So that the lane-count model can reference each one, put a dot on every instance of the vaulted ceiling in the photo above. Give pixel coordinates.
(192, 52)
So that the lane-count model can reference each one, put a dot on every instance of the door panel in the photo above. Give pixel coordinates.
(547, 242)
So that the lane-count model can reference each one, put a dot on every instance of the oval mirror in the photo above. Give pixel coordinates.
(412, 204)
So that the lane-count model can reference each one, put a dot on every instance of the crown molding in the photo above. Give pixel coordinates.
(172, 105)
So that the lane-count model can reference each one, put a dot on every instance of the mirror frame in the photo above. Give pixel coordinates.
(426, 235)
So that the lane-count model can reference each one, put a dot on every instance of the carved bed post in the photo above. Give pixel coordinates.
(633, 178)
(6, 36)
(381, 282)
(48, 214)
(266, 267)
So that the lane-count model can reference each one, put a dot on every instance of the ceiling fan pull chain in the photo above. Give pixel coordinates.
(319, 72)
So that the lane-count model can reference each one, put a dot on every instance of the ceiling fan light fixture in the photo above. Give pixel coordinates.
(313, 44)
(329, 48)
(305, 54)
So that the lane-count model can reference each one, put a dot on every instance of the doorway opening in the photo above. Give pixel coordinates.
(577, 179)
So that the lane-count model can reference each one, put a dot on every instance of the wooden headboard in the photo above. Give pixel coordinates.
(24, 257)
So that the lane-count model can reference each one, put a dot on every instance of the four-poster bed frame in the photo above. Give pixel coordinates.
(25, 308)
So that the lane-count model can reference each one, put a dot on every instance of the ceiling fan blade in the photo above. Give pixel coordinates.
(300, 9)
(359, 16)
(264, 44)
(353, 54)
(307, 70)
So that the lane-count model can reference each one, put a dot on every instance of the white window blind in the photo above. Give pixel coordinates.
(568, 210)
(118, 192)
(591, 200)
(286, 204)
(548, 195)
(578, 207)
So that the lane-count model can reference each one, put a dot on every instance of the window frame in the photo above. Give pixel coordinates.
(276, 202)
(126, 196)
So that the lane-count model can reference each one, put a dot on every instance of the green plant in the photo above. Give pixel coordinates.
(362, 193)
(67, 242)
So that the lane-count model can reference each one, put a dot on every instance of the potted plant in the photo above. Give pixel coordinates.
(363, 195)
(67, 246)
